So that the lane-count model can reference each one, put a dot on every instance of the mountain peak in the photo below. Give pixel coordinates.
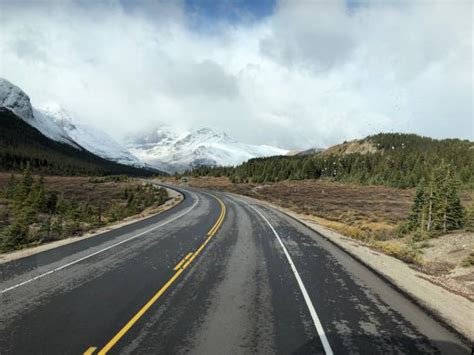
(177, 152)
(16, 100)
(205, 130)
(60, 115)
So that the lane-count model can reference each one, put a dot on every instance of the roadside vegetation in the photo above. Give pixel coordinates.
(436, 205)
(33, 212)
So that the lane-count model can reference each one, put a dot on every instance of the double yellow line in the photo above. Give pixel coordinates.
(179, 268)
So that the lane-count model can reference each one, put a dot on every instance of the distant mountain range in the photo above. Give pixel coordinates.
(57, 124)
(164, 148)
(169, 150)
(49, 141)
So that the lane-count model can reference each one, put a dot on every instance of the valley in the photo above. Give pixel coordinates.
(236, 177)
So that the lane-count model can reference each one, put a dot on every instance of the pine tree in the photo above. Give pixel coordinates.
(470, 218)
(26, 183)
(416, 217)
(11, 187)
(37, 198)
(437, 206)
(448, 212)
(454, 215)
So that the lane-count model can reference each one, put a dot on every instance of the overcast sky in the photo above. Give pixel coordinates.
(294, 74)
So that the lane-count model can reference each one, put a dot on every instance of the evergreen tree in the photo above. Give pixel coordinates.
(417, 213)
(454, 213)
(470, 218)
(11, 186)
(36, 198)
(437, 206)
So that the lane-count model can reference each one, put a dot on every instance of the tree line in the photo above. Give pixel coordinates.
(400, 160)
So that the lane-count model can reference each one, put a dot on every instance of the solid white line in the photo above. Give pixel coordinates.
(102, 250)
(309, 304)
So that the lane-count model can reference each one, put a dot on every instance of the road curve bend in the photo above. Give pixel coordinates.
(216, 274)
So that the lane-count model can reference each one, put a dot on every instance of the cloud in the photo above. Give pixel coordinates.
(310, 74)
(205, 79)
(316, 35)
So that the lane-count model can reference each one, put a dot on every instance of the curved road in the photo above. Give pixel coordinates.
(217, 274)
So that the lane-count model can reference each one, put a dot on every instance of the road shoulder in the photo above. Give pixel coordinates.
(452, 309)
(175, 198)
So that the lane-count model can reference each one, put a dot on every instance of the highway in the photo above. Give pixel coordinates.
(217, 274)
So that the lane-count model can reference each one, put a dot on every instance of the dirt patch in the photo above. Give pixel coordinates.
(453, 247)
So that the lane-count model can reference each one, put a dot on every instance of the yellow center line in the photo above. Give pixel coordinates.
(179, 269)
(182, 261)
(210, 235)
(90, 351)
(219, 220)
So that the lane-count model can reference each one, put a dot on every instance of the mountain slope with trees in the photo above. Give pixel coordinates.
(390, 159)
(22, 145)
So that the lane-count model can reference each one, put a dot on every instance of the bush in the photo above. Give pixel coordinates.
(399, 251)
(15, 236)
(468, 261)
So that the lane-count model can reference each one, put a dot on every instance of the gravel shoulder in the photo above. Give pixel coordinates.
(174, 199)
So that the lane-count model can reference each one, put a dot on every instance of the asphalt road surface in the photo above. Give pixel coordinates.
(217, 274)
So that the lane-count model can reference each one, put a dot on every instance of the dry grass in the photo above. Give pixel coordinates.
(80, 188)
(371, 207)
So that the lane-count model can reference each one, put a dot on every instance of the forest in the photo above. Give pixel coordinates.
(399, 160)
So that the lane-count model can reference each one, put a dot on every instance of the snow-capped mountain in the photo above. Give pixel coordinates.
(16, 100)
(57, 124)
(171, 151)
(92, 139)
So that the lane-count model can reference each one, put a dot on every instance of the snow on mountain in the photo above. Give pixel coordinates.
(92, 139)
(56, 123)
(13, 98)
(16, 100)
(165, 149)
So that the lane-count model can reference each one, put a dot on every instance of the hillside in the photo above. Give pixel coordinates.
(58, 124)
(91, 138)
(22, 144)
(390, 159)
